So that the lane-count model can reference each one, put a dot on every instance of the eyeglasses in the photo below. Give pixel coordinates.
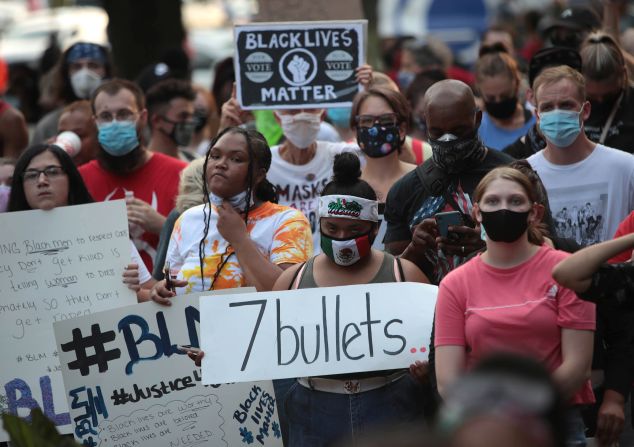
(388, 119)
(51, 172)
(121, 115)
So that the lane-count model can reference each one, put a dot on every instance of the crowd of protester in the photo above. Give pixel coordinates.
(481, 180)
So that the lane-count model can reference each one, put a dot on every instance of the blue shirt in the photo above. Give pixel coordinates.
(497, 138)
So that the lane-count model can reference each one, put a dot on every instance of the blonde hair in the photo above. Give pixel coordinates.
(190, 188)
(537, 230)
(553, 75)
(495, 64)
(602, 59)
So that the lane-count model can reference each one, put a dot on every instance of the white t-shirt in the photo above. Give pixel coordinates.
(299, 186)
(589, 198)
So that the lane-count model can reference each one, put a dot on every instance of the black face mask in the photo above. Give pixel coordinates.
(378, 141)
(200, 119)
(504, 225)
(603, 109)
(501, 109)
(456, 155)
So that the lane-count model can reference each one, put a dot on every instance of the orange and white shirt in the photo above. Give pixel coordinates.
(282, 235)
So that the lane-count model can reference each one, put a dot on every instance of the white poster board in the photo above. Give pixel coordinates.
(54, 265)
(140, 390)
(313, 332)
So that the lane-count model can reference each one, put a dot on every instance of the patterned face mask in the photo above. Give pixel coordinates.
(453, 154)
(346, 252)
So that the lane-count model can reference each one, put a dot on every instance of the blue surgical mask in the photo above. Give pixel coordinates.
(118, 138)
(405, 78)
(560, 127)
(340, 116)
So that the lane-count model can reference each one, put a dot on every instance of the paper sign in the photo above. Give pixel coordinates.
(298, 64)
(312, 332)
(54, 265)
(141, 390)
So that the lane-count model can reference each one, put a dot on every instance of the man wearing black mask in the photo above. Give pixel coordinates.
(441, 184)
(170, 105)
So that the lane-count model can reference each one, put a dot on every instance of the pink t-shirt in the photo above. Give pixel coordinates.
(521, 309)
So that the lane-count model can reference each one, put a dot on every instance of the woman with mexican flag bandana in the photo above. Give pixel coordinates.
(320, 410)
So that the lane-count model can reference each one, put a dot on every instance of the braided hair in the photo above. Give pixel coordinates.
(259, 157)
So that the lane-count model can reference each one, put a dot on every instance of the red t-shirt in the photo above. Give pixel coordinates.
(625, 227)
(521, 309)
(156, 182)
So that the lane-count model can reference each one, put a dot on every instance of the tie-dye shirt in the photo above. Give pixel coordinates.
(282, 235)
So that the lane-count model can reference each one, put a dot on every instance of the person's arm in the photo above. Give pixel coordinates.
(285, 279)
(141, 213)
(412, 273)
(576, 352)
(15, 135)
(575, 272)
(450, 364)
(610, 25)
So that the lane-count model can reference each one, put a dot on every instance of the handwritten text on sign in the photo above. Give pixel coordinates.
(298, 64)
(54, 265)
(307, 332)
(141, 390)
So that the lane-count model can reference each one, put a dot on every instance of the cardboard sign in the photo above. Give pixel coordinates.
(128, 384)
(298, 64)
(313, 332)
(54, 265)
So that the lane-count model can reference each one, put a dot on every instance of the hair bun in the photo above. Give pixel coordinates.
(346, 168)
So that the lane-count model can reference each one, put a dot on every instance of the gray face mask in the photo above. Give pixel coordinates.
(182, 132)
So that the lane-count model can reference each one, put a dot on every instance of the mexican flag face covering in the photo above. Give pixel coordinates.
(346, 252)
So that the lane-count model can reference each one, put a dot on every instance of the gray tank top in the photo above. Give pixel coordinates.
(385, 273)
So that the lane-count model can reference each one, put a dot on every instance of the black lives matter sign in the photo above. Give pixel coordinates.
(298, 64)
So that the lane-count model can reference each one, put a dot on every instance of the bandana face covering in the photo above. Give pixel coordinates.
(453, 154)
(345, 252)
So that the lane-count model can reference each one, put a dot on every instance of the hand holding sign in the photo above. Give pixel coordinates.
(231, 114)
(364, 75)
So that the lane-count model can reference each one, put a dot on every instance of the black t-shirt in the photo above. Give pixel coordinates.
(526, 145)
(408, 202)
(621, 133)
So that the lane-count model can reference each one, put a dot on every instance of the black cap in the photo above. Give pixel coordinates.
(552, 57)
(152, 74)
(577, 19)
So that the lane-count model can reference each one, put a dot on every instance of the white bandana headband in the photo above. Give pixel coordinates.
(349, 207)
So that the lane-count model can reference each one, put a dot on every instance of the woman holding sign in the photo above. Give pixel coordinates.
(240, 236)
(505, 299)
(45, 178)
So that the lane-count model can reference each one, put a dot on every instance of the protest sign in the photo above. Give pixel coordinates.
(54, 265)
(311, 332)
(296, 65)
(139, 389)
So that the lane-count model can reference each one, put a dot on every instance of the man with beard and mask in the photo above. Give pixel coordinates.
(533, 142)
(301, 165)
(610, 93)
(443, 183)
(170, 106)
(81, 69)
(574, 169)
(125, 168)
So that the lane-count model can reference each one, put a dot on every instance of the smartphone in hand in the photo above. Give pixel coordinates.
(447, 219)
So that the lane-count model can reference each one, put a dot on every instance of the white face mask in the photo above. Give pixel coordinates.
(238, 202)
(301, 129)
(84, 82)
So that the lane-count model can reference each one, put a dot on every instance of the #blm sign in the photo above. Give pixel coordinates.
(298, 64)
(313, 332)
(127, 383)
(54, 266)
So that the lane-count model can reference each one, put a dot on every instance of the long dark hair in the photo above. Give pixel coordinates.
(259, 158)
(77, 192)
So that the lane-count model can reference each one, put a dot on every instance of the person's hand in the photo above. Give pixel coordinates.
(420, 371)
(196, 356)
(364, 75)
(231, 224)
(468, 242)
(131, 277)
(162, 295)
(142, 214)
(231, 114)
(610, 422)
(425, 235)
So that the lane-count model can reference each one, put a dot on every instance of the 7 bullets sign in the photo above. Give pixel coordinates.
(298, 64)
